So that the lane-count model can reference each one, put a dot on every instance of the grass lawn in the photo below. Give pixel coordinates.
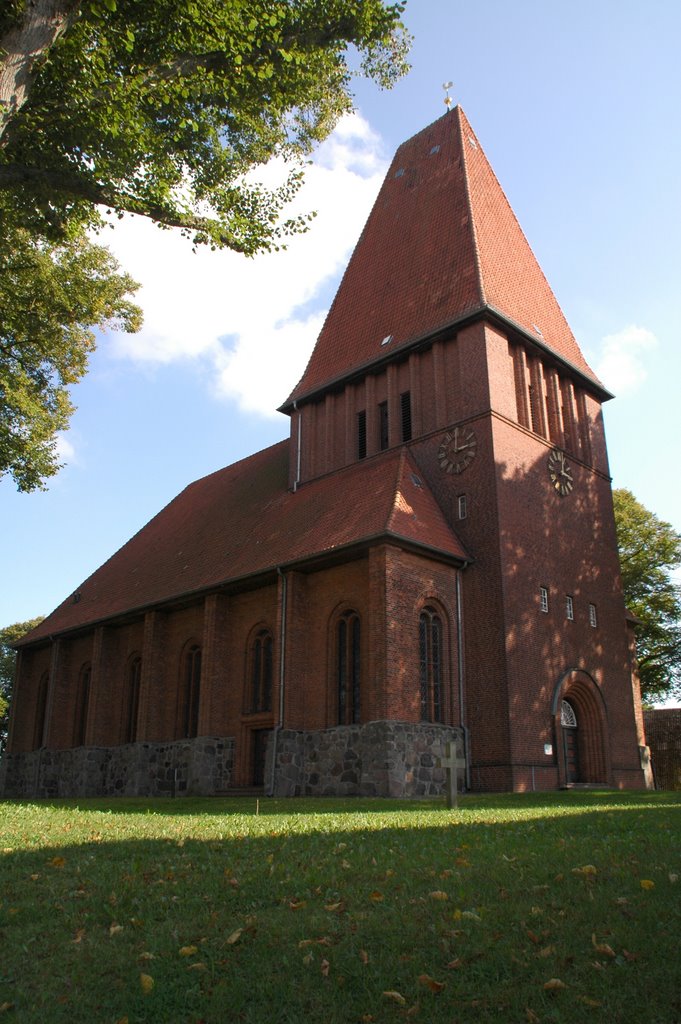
(533, 908)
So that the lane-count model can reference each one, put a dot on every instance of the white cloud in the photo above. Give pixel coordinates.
(621, 364)
(65, 450)
(255, 321)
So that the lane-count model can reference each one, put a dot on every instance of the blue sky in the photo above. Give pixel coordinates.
(576, 105)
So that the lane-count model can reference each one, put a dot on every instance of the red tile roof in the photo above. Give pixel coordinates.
(243, 521)
(441, 242)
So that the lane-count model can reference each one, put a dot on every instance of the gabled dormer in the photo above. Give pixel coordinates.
(441, 250)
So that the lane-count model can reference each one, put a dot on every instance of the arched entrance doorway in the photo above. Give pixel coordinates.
(580, 722)
(569, 728)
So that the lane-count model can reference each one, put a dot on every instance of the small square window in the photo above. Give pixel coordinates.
(593, 618)
(463, 507)
(569, 608)
(543, 599)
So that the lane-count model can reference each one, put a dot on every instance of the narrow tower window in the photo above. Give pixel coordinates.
(405, 410)
(383, 426)
(543, 599)
(362, 434)
(463, 506)
(569, 608)
(593, 617)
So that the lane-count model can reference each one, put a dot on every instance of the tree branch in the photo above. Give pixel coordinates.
(74, 186)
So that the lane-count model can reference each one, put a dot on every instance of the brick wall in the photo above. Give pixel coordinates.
(663, 734)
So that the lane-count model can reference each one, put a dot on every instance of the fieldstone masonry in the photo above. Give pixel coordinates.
(390, 759)
(395, 759)
(197, 767)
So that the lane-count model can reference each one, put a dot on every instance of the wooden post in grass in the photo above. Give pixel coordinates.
(451, 763)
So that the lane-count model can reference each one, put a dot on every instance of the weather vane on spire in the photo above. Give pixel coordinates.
(448, 99)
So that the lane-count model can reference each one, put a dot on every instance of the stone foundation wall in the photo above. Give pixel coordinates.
(395, 759)
(197, 767)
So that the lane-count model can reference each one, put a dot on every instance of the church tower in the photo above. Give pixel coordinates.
(446, 338)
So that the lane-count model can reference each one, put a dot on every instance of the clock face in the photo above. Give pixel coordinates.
(560, 472)
(457, 449)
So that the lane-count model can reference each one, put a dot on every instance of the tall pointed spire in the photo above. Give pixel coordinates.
(441, 244)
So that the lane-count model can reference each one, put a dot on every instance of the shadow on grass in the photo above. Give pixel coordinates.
(388, 910)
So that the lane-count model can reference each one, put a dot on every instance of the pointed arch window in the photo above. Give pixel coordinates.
(132, 699)
(431, 665)
(190, 690)
(348, 661)
(82, 703)
(40, 711)
(261, 671)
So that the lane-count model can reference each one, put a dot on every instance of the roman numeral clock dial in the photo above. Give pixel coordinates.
(560, 472)
(457, 449)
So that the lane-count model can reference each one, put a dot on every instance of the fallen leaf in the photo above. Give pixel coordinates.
(396, 997)
(672, 876)
(587, 871)
(307, 959)
(147, 983)
(376, 896)
(297, 904)
(146, 956)
(438, 894)
(364, 956)
(431, 983)
(34, 878)
(324, 966)
(547, 951)
(335, 908)
(531, 1016)
(57, 862)
(4, 1007)
(79, 935)
(114, 929)
(197, 967)
(589, 1002)
(453, 965)
(554, 985)
(234, 937)
(630, 956)
(647, 883)
(189, 950)
(602, 947)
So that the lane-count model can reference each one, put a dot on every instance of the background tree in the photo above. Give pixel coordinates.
(51, 294)
(650, 550)
(8, 636)
(162, 108)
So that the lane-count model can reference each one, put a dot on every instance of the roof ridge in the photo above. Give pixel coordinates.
(469, 200)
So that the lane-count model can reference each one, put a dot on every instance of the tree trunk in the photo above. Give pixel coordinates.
(23, 46)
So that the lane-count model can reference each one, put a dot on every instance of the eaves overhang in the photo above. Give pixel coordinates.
(423, 341)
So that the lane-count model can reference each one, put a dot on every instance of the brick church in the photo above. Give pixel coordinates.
(429, 557)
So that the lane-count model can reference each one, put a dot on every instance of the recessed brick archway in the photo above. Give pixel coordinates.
(584, 696)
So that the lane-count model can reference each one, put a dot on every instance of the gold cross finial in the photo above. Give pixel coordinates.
(448, 99)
